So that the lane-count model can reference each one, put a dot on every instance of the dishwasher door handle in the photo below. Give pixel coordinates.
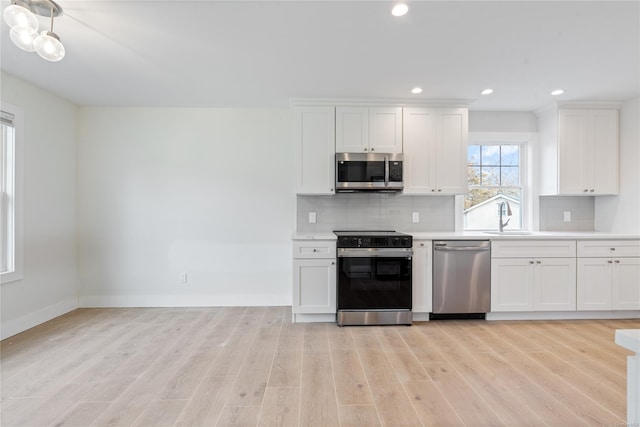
(461, 248)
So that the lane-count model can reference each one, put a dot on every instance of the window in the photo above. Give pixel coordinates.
(495, 184)
(10, 220)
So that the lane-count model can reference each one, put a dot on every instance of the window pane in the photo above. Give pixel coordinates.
(495, 186)
(510, 155)
(482, 209)
(490, 155)
(510, 176)
(473, 175)
(473, 155)
(491, 176)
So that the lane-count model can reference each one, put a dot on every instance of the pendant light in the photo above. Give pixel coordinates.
(48, 45)
(21, 17)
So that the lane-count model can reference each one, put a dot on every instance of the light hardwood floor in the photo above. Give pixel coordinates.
(252, 366)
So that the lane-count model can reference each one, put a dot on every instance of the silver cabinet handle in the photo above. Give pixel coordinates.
(613, 249)
(586, 190)
(609, 261)
(538, 262)
(617, 261)
(592, 190)
(366, 150)
(530, 262)
(372, 149)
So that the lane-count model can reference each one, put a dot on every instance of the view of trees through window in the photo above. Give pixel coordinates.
(494, 176)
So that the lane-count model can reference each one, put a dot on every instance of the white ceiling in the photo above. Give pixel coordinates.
(262, 53)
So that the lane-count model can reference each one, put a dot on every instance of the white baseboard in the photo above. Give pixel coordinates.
(563, 315)
(12, 327)
(90, 301)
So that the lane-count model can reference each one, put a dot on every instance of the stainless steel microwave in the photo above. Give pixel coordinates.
(369, 172)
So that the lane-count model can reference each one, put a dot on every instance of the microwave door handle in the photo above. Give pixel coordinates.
(386, 171)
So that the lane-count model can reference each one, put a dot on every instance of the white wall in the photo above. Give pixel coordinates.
(49, 285)
(208, 192)
(502, 121)
(621, 214)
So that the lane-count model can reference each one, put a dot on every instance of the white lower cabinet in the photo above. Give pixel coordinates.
(314, 286)
(314, 277)
(607, 282)
(524, 279)
(422, 276)
(543, 284)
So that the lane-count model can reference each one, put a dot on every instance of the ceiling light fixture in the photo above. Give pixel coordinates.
(487, 91)
(21, 17)
(416, 90)
(557, 92)
(399, 9)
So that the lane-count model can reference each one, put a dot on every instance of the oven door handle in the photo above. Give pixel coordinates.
(386, 171)
(375, 253)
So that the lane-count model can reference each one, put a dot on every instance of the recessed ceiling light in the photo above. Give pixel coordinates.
(487, 91)
(399, 9)
(416, 90)
(557, 92)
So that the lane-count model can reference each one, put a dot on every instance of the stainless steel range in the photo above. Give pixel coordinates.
(374, 278)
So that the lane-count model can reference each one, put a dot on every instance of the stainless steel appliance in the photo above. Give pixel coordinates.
(374, 278)
(461, 278)
(369, 172)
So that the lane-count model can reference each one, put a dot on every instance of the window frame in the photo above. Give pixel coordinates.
(527, 142)
(15, 232)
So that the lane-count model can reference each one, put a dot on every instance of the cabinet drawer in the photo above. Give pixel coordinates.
(314, 249)
(533, 249)
(608, 248)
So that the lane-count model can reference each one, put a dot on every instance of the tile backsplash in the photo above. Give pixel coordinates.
(581, 208)
(375, 211)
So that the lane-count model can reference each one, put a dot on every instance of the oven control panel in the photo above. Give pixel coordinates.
(374, 242)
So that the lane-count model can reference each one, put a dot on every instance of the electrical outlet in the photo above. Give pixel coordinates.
(182, 279)
(415, 217)
(312, 217)
(567, 216)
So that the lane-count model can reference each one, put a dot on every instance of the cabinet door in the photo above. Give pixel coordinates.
(352, 129)
(418, 146)
(314, 286)
(626, 284)
(385, 130)
(512, 284)
(572, 151)
(555, 284)
(315, 150)
(594, 284)
(451, 140)
(422, 277)
(602, 170)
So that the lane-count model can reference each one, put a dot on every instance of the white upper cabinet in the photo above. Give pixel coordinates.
(368, 129)
(580, 149)
(315, 149)
(435, 150)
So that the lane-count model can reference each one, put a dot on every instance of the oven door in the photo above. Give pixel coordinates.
(370, 279)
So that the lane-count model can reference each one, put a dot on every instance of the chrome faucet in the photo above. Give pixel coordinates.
(501, 225)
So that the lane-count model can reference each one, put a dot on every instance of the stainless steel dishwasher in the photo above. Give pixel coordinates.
(461, 278)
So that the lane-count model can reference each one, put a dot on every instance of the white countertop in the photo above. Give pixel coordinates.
(461, 235)
(629, 339)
